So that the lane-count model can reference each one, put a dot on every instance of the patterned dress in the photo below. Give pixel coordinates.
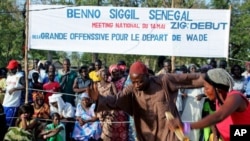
(114, 123)
(89, 129)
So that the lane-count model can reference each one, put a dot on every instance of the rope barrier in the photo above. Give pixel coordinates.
(51, 92)
(71, 121)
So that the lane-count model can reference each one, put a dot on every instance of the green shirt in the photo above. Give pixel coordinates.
(61, 136)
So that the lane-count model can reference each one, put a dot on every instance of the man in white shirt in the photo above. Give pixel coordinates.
(15, 83)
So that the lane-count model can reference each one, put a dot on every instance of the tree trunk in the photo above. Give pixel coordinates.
(94, 57)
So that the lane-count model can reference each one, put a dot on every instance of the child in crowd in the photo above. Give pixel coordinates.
(65, 110)
(54, 131)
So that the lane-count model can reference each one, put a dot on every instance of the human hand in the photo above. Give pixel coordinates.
(199, 97)
(24, 116)
(215, 138)
(93, 91)
(184, 95)
(44, 136)
(174, 124)
(12, 90)
(81, 122)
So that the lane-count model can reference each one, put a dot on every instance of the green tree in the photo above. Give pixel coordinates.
(76, 59)
(11, 33)
(239, 33)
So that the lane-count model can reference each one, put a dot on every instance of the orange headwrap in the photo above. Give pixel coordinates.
(37, 94)
(138, 68)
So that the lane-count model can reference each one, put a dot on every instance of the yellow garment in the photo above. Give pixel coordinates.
(211, 138)
(2, 89)
(94, 76)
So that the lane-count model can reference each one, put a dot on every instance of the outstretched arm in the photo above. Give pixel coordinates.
(121, 101)
(179, 81)
(231, 104)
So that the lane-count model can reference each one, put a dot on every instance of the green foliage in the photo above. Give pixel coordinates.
(220, 4)
(239, 34)
(87, 2)
(11, 33)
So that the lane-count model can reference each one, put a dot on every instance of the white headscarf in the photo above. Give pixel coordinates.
(84, 95)
(57, 98)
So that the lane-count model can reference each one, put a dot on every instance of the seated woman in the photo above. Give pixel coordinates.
(54, 131)
(24, 125)
(87, 126)
(41, 109)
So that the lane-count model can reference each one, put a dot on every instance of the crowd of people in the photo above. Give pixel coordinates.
(121, 102)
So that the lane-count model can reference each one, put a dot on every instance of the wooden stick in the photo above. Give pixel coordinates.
(26, 51)
(178, 132)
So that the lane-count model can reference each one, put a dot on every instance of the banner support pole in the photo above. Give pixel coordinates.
(26, 48)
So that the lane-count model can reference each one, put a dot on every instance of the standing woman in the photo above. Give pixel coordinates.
(239, 80)
(232, 108)
(105, 88)
(120, 116)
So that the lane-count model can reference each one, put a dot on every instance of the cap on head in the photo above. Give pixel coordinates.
(13, 64)
(220, 78)
(138, 68)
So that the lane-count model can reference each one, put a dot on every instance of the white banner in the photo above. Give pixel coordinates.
(120, 30)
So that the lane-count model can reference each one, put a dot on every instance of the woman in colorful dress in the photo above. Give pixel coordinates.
(232, 107)
(41, 109)
(105, 87)
(121, 117)
(87, 127)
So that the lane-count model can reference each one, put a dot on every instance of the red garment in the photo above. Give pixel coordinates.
(119, 84)
(138, 68)
(236, 118)
(52, 87)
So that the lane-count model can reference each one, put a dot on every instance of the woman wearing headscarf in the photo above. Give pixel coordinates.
(41, 109)
(232, 108)
(122, 133)
(105, 88)
(87, 126)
